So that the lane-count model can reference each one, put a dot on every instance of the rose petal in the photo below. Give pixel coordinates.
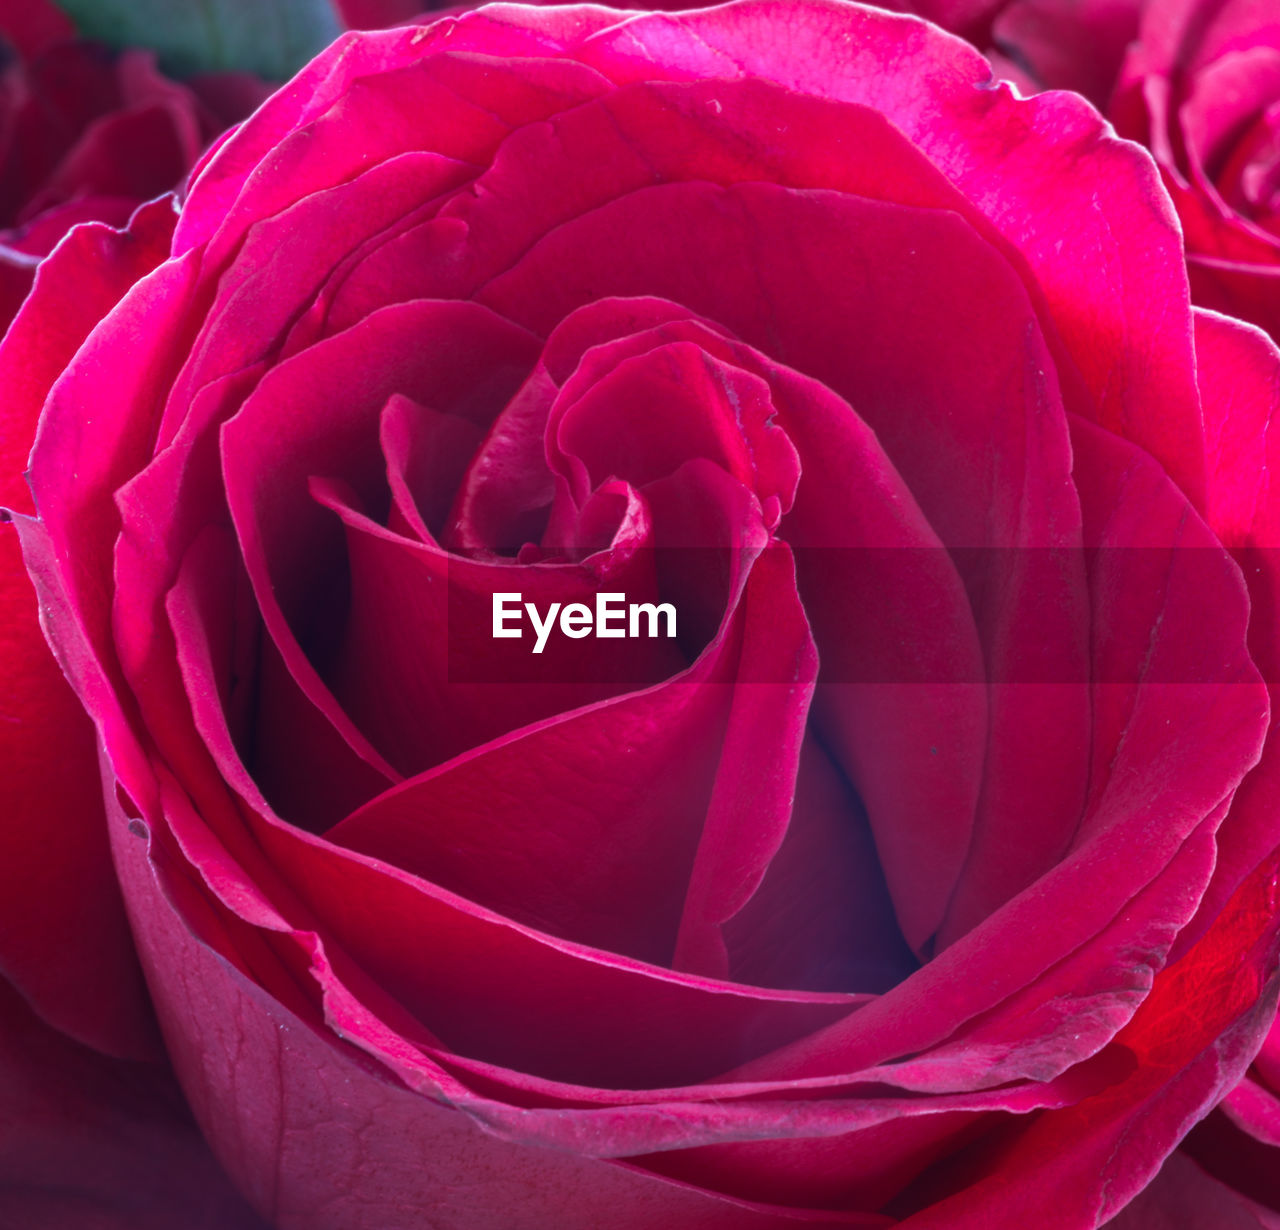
(1183, 1197)
(32, 26)
(95, 1144)
(63, 936)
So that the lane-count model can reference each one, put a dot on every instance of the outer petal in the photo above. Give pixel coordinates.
(76, 287)
(1240, 382)
(298, 1119)
(1193, 1038)
(63, 935)
(1183, 1197)
(88, 1143)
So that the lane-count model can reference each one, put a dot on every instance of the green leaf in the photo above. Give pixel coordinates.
(270, 38)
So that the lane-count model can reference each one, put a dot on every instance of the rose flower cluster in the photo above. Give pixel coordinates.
(924, 874)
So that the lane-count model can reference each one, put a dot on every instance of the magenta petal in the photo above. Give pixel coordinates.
(427, 455)
(466, 974)
(1171, 612)
(643, 416)
(103, 265)
(503, 499)
(460, 114)
(510, 826)
(750, 809)
(822, 918)
(640, 406)
(286, 257)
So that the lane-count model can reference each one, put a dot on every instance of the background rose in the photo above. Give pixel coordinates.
(1041, 44)
(1198, 83)
(1201, 88)
(87, 133)
(359, 286)
(1065, 44)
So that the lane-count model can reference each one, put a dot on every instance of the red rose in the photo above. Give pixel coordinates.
(925, 877)
(89, 134)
